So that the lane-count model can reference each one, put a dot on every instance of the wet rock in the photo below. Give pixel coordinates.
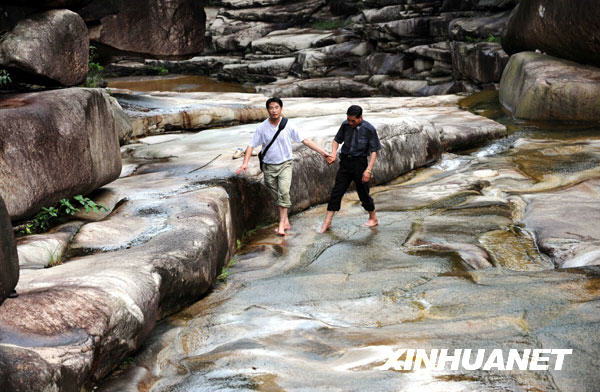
(478, 27)
(543, 25)
(52, 125)
(539, 87)
(9, 261)
(46, 250)
(50, 48)
(155, 28)
(569, 236)
(77, 332)
(481, 62)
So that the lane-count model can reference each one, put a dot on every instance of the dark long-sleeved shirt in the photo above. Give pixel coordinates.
(359, 141)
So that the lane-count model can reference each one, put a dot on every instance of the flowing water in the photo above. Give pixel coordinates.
(453, 264)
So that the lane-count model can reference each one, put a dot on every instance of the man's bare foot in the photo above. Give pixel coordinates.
(371, 223)
(325, 227)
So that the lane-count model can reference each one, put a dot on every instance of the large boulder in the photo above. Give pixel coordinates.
(562, 28)
(535, 86)
(482, 62)
(52, 47)
(9, 262)
(157, 28)
(55, 144)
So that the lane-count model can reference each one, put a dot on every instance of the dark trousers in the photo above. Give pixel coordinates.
(351, 169)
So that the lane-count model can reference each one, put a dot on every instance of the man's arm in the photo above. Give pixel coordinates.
(244, 166)
(367, 173)
(333, 156)
(315, 147)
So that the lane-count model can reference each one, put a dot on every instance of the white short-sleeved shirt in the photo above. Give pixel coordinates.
(281, 149)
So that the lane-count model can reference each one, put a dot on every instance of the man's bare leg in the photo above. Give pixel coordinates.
(372, 220)
(327, 224)
(283, 219)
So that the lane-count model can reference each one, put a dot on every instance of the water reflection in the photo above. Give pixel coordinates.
(177, 83)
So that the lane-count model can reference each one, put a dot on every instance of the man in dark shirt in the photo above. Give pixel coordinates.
(360, 144)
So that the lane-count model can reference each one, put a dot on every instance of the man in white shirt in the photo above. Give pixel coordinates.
(277, 168)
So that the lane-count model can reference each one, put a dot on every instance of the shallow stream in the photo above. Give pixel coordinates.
(454, 263)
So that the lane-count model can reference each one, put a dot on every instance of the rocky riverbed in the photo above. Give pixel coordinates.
(470, 253)
(174, 216)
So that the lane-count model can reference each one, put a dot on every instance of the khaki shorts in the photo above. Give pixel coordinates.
(278, 178)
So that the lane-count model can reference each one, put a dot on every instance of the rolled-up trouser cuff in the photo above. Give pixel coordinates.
(278, 179)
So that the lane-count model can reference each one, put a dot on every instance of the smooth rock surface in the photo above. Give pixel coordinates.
(562, 28)
(51, 48)
(67, 144)
(540, 87)
(482, 62)
(156, 28)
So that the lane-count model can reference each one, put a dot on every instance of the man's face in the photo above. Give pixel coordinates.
(274, 110)
(354, 121)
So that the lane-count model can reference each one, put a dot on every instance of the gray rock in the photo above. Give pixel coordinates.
(324, 87)
(9, 261)
(562, 28)
(50, 48)
(478, 27)
(46, 250)
(55, 144)
(235, 36)
(539, 87)
(383, 64)
(482, 62)
(318, 62)
(439, 51)
(290, 14)
(385, 14)
(417, 88)
(290, 40)
(156, 28)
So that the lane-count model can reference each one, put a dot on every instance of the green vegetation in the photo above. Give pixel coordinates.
(94, 77)
(328, 24)
(51, 216)
(5, 79)
(126, 363)
(161, 70)
(490, 38)
(225, 272)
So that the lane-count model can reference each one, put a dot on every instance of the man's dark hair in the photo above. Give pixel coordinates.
(355, 111)
(276, 100)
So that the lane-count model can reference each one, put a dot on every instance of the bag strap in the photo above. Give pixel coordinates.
(282, 125)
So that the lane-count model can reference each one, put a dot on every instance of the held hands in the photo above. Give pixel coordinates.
(329, 158)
